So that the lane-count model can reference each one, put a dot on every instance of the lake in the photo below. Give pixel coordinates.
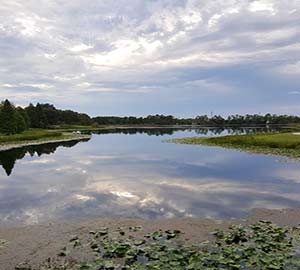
(134, 174)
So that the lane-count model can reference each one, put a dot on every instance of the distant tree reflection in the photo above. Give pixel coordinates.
(159, 131)
(8, 158)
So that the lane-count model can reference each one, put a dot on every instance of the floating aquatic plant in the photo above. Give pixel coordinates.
(261, 246)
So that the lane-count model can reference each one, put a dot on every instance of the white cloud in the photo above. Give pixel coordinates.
(27, 26)
(8, 85)
(270, 37)
(37, 85)
(262, 5)
(125, 53)
(49, 55)
(72, 48)
(80, 48)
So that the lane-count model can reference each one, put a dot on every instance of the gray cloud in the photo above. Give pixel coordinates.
(181, 53)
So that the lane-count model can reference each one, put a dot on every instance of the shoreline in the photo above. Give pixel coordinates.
(10, 146)
(36, 243)
(272, 144)
(104, 127)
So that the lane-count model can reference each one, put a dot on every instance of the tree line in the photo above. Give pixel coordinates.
(17, 119)
(13, 120)
(201, 120)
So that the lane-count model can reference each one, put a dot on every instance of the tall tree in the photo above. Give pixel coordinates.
(20, 123)
(25, 116)
(8, 119)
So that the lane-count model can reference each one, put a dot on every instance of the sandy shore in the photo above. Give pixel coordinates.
(6, 147)
(37, 243)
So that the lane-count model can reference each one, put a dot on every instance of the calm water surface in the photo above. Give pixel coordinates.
(138, 176)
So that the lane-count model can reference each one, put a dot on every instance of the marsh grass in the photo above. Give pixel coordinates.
(77, 127)
(282, 144)
(32, 134)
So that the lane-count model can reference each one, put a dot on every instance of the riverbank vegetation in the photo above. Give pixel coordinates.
(204, 120)
(16, 119)
(29, 135)
(284, 144)
(260, 246)
(24, 124)
(37, 136)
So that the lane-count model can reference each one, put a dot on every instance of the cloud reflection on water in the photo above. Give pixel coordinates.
(140, 177)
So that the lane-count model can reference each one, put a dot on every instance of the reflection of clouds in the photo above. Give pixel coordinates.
(150, 181)
(32, 216)
(38, 161)
(206, 185)
(102, 157)
(211, 197)
(288, 175)
(64, 168)
(70, 169)
(123, 194)
(122, 157)
(214, 185)
(110, 196)
(50, 190)
(83, 198)
(85, 162)
(109, 192)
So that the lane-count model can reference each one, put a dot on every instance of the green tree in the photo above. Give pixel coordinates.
(8, 119)
(25, 116)
(20, 123)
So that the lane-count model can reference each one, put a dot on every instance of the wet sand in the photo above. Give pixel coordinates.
(37, 243)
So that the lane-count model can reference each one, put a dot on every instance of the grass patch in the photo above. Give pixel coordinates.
(261, 246)
(29, 135)
(283, 144)
(77, 128)
(35, 135)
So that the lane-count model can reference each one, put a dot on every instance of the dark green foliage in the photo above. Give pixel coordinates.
(46, 115)
(203, 120)
(37, 116)
(20, 123)
(8, 121)
(16, 120)
(149, 120)
(8, 159)
(25, 117)
(12, 120)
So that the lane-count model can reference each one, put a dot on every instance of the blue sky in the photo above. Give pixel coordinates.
(143, 57)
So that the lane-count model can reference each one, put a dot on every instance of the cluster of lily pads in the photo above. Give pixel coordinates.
(261, 246)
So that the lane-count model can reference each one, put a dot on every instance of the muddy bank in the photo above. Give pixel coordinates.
(6, 147)
(37, 243)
